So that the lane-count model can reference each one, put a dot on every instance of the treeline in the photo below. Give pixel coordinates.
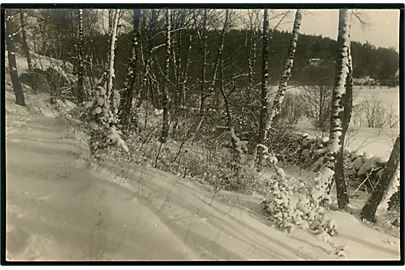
(368, 60)
(54, 36)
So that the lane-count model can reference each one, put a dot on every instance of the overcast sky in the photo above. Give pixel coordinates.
(382, 28)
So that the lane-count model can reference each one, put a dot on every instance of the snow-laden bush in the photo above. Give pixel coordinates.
(102, 123)
(279, 205)
(292, 202)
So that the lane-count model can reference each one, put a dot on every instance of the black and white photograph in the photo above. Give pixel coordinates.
(201, 133)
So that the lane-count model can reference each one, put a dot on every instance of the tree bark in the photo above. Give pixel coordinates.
(10, 34)
(185, 73)
(80, 77)
(24, 41)
(369, 209)
(219, 58)
(204, 60)
(165, 95)
(111, 71)
(251, 58)
(148, 59)
(278, 100)
(129, 84)
(337, 109)
(335, 143)
(263, 95)
(341, 185)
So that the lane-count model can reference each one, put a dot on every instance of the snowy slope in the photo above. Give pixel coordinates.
(60, 208)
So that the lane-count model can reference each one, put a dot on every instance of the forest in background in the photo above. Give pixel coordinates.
(54, 35)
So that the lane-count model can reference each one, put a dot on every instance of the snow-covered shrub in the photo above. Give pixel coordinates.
(292, 202)
(278, 203)
(102, 123)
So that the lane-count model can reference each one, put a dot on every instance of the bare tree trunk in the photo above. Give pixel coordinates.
(251, 60)
(203, 47)
(111, 71)
(185, 72)
(390, 170)
(251, 45)
(263, 96)
(177, 60)
(204, 60)
(339, 90)
(178, 67)
(165, 95)
(128, 93)
(341, 185)
(219, 57)
(178, 23)
(80, 79)
(278, 100)
(236, 150)
(24, 41)
(10, 34)
(148, 59)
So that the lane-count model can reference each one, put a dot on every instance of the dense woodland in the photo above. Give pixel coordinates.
(202, 93)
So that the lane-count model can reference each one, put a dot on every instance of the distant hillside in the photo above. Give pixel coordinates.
(379, 63)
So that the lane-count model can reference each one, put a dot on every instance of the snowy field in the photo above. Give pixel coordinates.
(388, 96)
(376, 141)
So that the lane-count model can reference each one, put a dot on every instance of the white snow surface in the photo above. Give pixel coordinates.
(59, 207)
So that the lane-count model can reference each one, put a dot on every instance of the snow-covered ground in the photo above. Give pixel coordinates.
(387, 96)
(61, 208)
(375, 141)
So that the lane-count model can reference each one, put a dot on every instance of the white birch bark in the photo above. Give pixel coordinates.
(337, 109)
(278, 100)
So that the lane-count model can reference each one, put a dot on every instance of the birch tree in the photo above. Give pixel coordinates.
(102, 119)
(147, 59)
(341, 185)
(202, 36)
(219, 58)
(80, 77)
(165, 84)
(180, 20)
(185, 72)
(111, 71)
(129, 84)
(25, 46)
(237, 150)
(203, 44)
(278, 100)
(387, 184)
(11, 33)
(327, 171)
(251, 49)
(263, 95)
(179, 23)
